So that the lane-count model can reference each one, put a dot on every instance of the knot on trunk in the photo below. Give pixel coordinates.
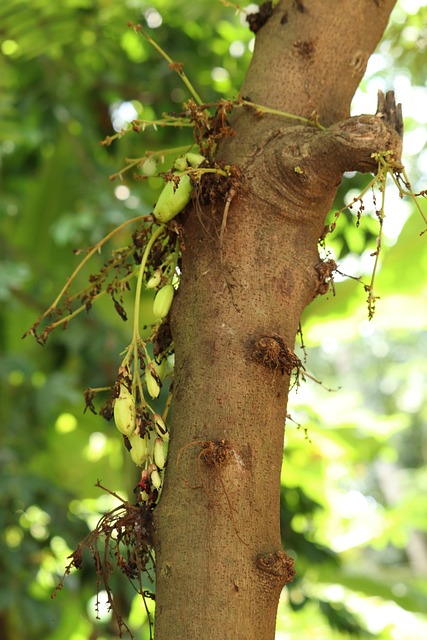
(272, 352)
(215, 454)
(325, 278)
(276, 569)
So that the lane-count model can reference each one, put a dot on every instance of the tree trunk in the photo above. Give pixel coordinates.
(220, 564)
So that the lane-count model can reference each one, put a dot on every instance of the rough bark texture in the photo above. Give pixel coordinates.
(220, 564)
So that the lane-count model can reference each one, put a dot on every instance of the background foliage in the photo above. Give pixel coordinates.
(354, 515)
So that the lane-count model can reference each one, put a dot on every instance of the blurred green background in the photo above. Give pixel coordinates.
(354, 510)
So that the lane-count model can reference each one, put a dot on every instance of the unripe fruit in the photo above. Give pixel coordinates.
(149, 167)
(194, 159)
(155, 279)
(124, 412)
(160, 368)
(163, 301)
(159, 453)
(155, 478)
(139, 450)
(180, 163)
(159, 425)
(173, 198)
(153, 387)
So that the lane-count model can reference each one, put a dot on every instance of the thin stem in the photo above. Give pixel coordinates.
(232, 5)
(371, 297)
(94, 249)
(284, 114)
(75, 313)
(167, 406)
(173, 65)
(167, 121)
(140, 279)
(409, 192)
(132, 162)
(87, 289)
(174, 261)
(165, 152)
(130, 165)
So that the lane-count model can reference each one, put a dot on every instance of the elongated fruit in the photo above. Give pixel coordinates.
(194, 159)
(124, 412)
(159, 453)
(163, 301)
(155, 279)
(149, 167)
(153, 387)
(139, 450)
(173, 198)
(159, 425)
(155, 478)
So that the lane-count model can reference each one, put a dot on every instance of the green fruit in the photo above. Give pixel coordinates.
(173, 198)
(159, 453)
(194, 159)
(124, 412)
(163, 301)
(160, 369)
(180, 163)
(153, 387)
(155, 478)
(139, 450)
(149, 167)
(155, 279)
(159, 425)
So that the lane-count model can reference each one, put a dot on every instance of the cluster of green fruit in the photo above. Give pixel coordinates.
(147, 451)
(176, 195)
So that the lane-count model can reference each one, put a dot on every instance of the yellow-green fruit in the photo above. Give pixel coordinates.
(194, 159)
(124, 412)
(155, 478)
(160, 369)
(153, 387)
(149, 167)
(139, 450)
(159, 425)
(173, 198)
(163, 301)
(159, 453)
(155, 279)
(180, 163)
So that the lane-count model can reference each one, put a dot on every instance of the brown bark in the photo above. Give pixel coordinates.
(220, 564)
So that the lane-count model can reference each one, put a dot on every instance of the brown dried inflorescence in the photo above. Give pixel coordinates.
(162, 340)
(216, 453)
(213, 453)
(272, 352)
(122, 539)
(258, 20)
(325, 277)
